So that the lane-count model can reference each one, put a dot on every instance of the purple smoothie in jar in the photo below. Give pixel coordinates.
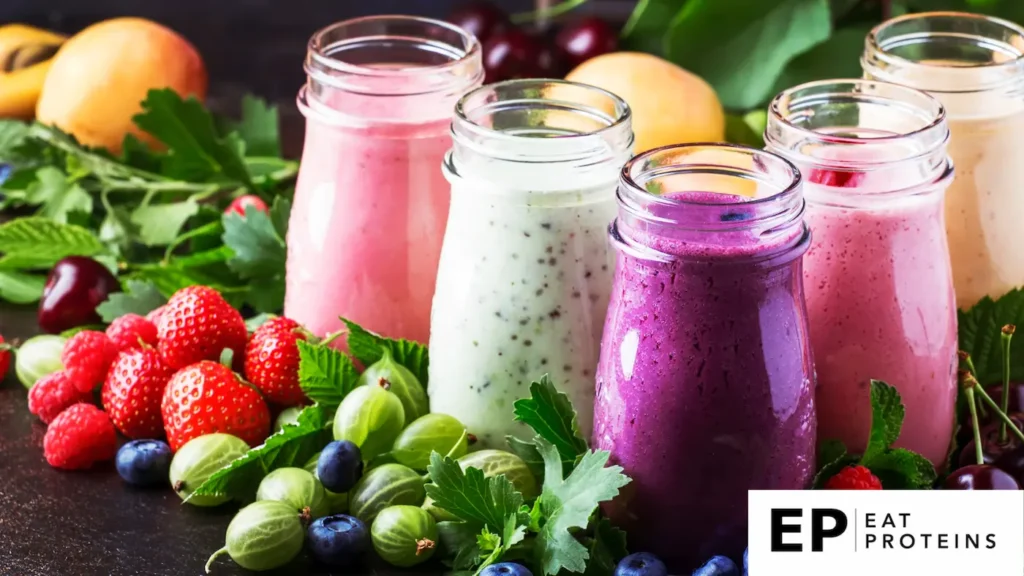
(705, 386)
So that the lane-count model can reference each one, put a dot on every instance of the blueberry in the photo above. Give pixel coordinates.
(641, 564)
(734, 216)
(340, 466)
(746, 569)
(144, 462)
(718, 566)
(5, 172)
(337, 540)
(506, 569)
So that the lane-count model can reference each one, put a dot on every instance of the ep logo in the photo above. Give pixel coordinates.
(823, 523)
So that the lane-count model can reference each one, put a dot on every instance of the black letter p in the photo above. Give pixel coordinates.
(818, 532)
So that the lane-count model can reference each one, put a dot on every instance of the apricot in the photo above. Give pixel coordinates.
(100, 77)
(670, 105)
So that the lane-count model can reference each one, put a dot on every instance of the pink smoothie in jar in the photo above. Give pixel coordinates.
(371, 201)
(877, 276)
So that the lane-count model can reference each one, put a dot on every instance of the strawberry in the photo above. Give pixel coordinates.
(53, 393)
(198, 324)
(854, 478)
(5, 357)
(154, 315)
(79, 437)
(133, 391)
(88, 354)
(208, 397)
(131, 331)
(238, 205)
(272, 360)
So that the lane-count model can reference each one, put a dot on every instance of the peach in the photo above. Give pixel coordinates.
(101, 75)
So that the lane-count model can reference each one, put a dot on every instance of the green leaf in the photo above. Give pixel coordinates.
(567, 506)
(44, 240)
(979, 334)
(325, 374)
(160, 224)
(138, 298)
(259, 251)
(645, 31)
(196, 153)
(887, 414)
(21, 288)
(458, 540)
(12, 135)
(901, 469)
(293, 445)
(252, 324)
(367, 347)
(57, 195)
(837, 57)
(266, 294)
(470, 496)
(552, 417)
(607, 548)
(280, 211)
(204, 258)
(741, 47)
(259, 127)
(832, 457)
(738, 131)
(136, 154)
(527, 452)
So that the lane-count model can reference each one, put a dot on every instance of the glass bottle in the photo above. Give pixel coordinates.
(371, 202)
(705, 385)
(974, 65)
(525, 269)
(879, 288)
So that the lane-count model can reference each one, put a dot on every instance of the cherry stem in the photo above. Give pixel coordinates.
(546, 13)
(1005, 336)
(1002, 415)
(968, 383)
(966, 361)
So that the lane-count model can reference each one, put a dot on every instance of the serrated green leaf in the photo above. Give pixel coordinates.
(367, 348)
(607, 548)
(887, 414)
(325, 374)
(832, 457)
(259, 127)
(138, 298)
(979, 335)
(458, 540)
(57, 195)
(47, 241)
(552, 417)
(259, 251)
(901, 469)
(12, 135)
(160, 224)
(470, 496)
(527, 452)
(136, 154)
(21, 288)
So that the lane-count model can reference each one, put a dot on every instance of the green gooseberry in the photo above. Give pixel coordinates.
(337, 503)
(493, 463)
(386, 485)
(262, 536)
(287, 416)
(371, 417)
(439, 433)
(198, 459)
(400, 381)
(404, 535)
(295, 487)
(38, 357)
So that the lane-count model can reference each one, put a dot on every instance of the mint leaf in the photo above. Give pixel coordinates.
(887, 414)
(325, 374)
(567, 506)
(900, 469)
(552, 417)
(57, 194)
(292, 446)
(259, 250)
(607, 548)
(470, 496)
(367, 348)
(527, 452)
(979, 335)
(21, 288)
(832, 457)
(139, 298)
(46, 241)
(259, 127)
(160, 224)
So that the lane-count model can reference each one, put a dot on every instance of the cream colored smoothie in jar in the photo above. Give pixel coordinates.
(371, 202)
(526, 267)
(974, 65)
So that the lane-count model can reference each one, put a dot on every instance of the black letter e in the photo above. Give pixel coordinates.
(779, 528)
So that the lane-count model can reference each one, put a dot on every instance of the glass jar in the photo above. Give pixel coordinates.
(879, 288)
(525, 269)
(974, 65)
(371, 202)
(705, 385)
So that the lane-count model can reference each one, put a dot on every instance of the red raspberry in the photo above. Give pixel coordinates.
(79, 437)
(836, 178)
(129, 330)
(5, 357)
(88, 354)
(198, 324)
(154, 315)
(854, 478)
(133, 390)
(53, 393)
(272, 361)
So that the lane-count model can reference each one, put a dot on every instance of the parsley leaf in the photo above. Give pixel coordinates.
(325, 374)
(139, 298)
(458, 540)
(12, 135)
(259, 251)
(57, 194)
(552, 417)
(366, 347)
(567, 505)
(160, 224)
(470, 496)
(20, 287)
(293, 445)
(979, 334)
(498, 546)
(607, 548)
(527, 452)
(886, 419)
(259, 127)
(45, 241)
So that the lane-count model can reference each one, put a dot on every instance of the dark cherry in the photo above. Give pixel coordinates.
(996, 392)
(584, 39)
(512, 54)
(481, 19)
(980, 477)
(1012, 462)
(991, 448)
(75, 287)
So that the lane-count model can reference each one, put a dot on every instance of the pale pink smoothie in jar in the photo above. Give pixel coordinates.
(371, 201)
(877, 276)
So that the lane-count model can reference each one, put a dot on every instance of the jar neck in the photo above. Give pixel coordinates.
(709, 202)
(540, 136)
(973, 64)
(861, 143)
(389, 70)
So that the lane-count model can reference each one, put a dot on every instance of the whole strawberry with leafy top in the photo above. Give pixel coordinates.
(272, 360)
(133, 391)
(198, 324)
(208, 397)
